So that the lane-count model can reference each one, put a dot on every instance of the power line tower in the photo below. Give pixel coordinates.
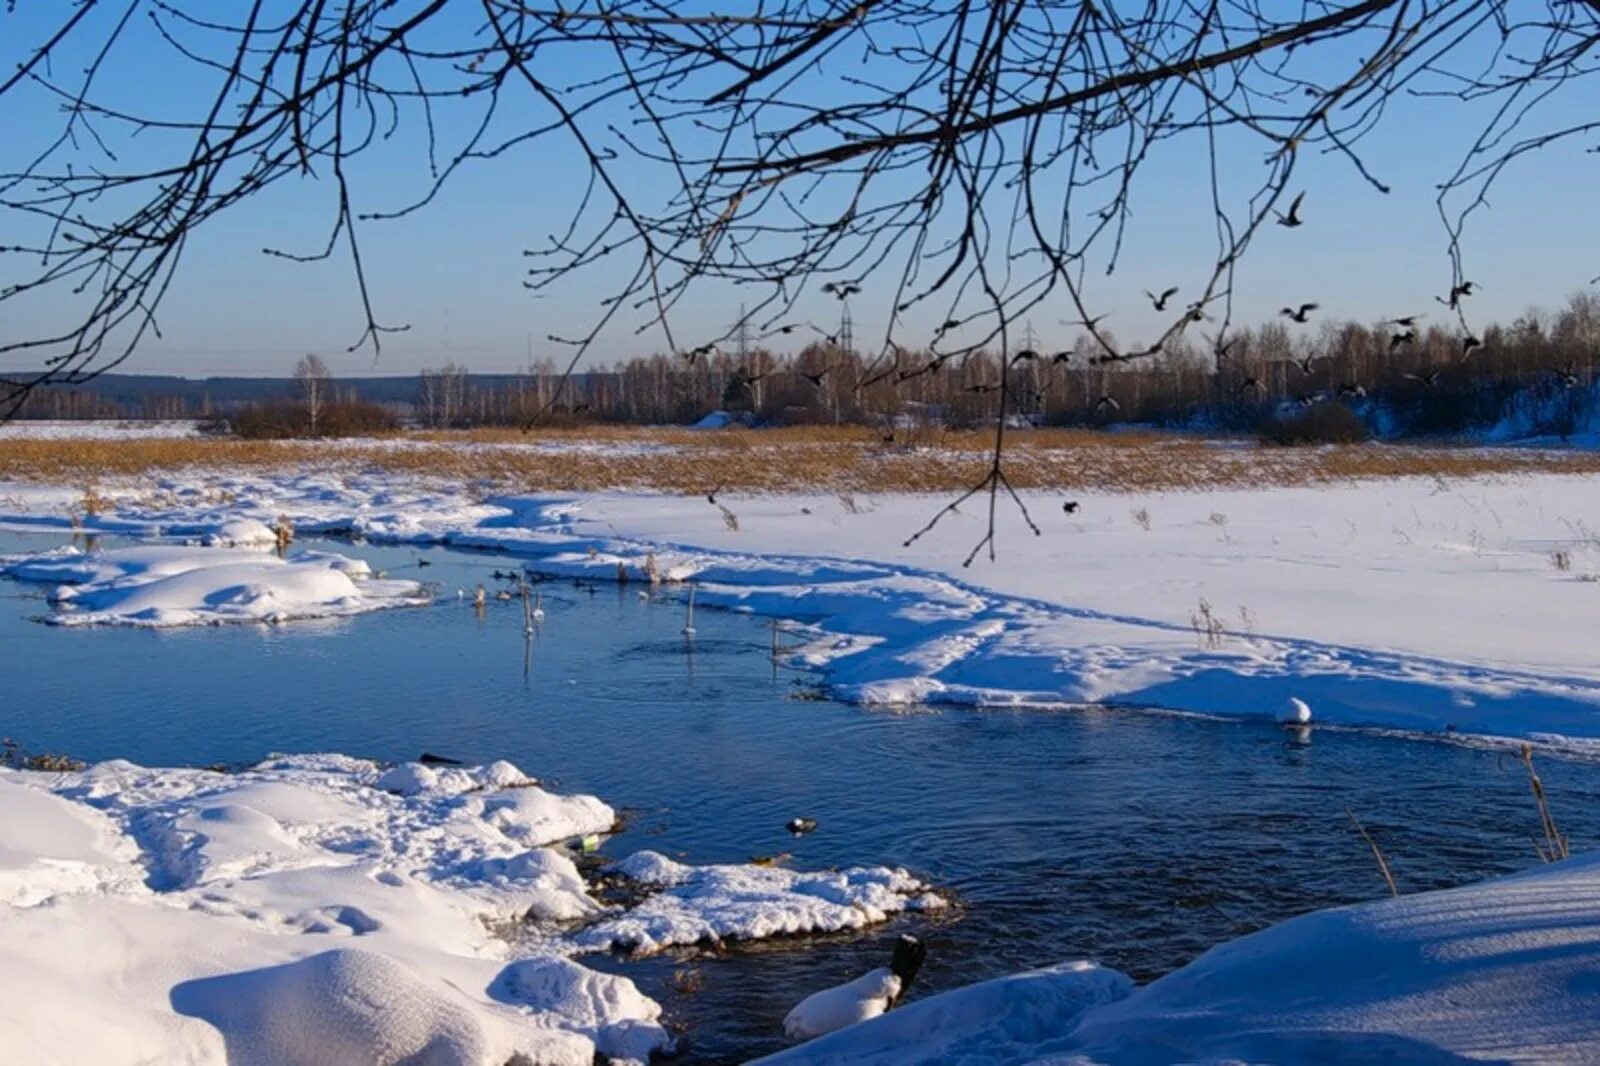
(847, 332)
(741, 337)
(1029, 340)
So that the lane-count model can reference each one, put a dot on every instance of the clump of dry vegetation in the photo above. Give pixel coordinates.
(1208, 627)
(13, 756)
(846, 461)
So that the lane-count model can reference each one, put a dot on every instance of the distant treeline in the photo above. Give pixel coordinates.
(1328, 380)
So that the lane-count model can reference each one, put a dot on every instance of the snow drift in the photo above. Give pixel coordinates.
(318, 909)
(179, 586)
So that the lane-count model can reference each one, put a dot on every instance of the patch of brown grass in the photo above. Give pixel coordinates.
(818, 458)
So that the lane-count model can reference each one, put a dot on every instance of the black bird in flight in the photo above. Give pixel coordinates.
(1306, 364)
(1090, 323)
(1397, 339)
(1299, 314)
(1160, 302)
(1106, 403)
(983, 387)
(1025, 355)
(1250, 385)
(1430, 379)
(1404, 322)
(1293, 219)
(1061, 357)
(816, 379)
(1456, 293)
(1469, 344)
(842, 291)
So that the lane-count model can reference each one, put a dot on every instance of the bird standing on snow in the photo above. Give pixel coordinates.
(866, 997)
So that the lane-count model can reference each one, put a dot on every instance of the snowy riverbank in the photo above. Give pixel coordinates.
(1464, 608)
(318, 909)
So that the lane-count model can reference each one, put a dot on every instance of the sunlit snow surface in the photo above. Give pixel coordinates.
(178, 586)
(318, 909)
(1410, 603)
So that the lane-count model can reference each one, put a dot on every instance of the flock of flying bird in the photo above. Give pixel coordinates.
(1404, 334)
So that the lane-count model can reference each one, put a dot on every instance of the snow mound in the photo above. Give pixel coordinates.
(177, 586)
(344, 1006)
(1505, 971)
(242, 533)
(705, 904)
(622, 1022)
(1009, 1019)
(321, 908)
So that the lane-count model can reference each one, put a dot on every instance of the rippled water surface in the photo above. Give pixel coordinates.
(1136, 840)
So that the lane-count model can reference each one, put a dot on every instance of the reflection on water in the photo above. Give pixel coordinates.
(1136, 840)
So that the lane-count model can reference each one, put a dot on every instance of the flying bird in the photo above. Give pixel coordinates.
(1404, 322)
(1300, 314)
(1250, 385)
(1293, 219)
(1397, 339)
(1160, 302)
(1429, 379)
(1089, 323)
(1353, 389)
(816, 379)
(1456, 293)
(1106, 403)
(842, 291)
(1024, 355)
(1469, 344)
(1306, 364)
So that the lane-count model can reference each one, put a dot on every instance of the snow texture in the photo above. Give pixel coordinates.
(710, 904)
(1408, 604)
(1503, 971)
(181, 586)
(318, 908)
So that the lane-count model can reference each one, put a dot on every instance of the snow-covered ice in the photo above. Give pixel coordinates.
(1411, 603)
(317, 909)
(1503, 971)
(710, 904)
(178, 586)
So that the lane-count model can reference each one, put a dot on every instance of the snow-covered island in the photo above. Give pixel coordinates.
(322, 908)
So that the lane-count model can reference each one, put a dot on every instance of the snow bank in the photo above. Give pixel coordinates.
(1411, 604)
(709, 904)
(318, 909)
(1010, 1019)
(1505, 971)
(177, 586)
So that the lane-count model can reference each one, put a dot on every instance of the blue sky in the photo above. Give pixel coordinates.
(454, 271)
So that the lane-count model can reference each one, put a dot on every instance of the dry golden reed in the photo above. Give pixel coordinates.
(837, 460)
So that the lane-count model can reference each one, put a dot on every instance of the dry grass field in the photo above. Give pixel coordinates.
(833, 459)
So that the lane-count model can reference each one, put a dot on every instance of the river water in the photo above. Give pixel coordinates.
(1138, 840)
